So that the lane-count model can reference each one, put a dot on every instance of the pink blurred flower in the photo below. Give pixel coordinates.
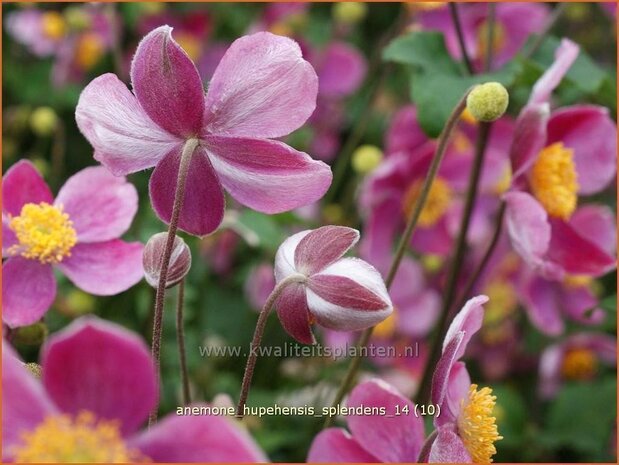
(99, 383)
(261, 89)
(259, 285)
(515, 22)
(577, 357)
(345, 294)
(77, 233)
(390, 436)
(555, 158)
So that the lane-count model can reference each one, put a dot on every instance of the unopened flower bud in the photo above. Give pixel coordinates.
(366, 158)
(77, 18)
(349, 12)
(487, 102)
(180, 260)
(33, 335)
(43, 121)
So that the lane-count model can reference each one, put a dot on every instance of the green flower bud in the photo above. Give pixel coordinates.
(487, 102)
(33, 335)
(349, 12)
(43, 121)
(366, 158)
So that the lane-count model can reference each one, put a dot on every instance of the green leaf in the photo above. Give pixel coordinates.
(263, 227)
(610, 303)
(423, 49)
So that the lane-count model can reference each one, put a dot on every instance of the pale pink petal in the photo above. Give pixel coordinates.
(104, 268)
(199, 439)
(167, 84)
(23, 184)
(550, 370)
(203, 208)
(293, 313)
(100, 205)
(267, 176)
(458, 387)
(28, 290)
(541, 303)
(348, 295)
(341, 69)
(597, 224)
(389, 437)
(529, 138)
(565, 55)
(262, 88)
(335, 445)
(448, 448)
(468, 321)
(103, 368)
(8, 237)
(24, 402)
(323, 246)
(284, 258)
(581, 305)
(592, 134)
(440, 378)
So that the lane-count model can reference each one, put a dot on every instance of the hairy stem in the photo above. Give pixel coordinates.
(443, 142)
(180, 340)
(258, 332)
(179, 198)
(455, 16)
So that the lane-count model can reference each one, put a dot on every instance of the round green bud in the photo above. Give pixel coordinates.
(349, 12)
(33, 335)
(43, 121)
(366, 158)
(487, 102)
(77, 18)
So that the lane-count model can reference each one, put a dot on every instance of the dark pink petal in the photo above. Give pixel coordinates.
(389, 437)
(284, 258)
(28, 290)
(341, 69)
(565, 55)
(541, 303)
(23, 184)
(597, 224)
(104, 268)
(440, 378)
(323, 246)
(378, 233)
(125, 139)
(294, 314)
(198, 438)
(467, 321)
(203, 209)
(167, 84)
(103, 368)
(448, 448)
(335, 445)
(529, 138)
(100, 205)
(576, 254)
(348, 295)
(24, 402)
(8, 237)
(592, 134)
(268, 176)
(581, 305)
(405, 133)
(261, 88)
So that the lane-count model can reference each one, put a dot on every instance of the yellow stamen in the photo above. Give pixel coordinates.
(579, 364)
(468, 117)
(505, 181)
(554, 181)
(54, 25)
(190, 44)
(82, 439)
(498, 38)
(502, 304)
(385, 328)
(577, 280)
(89, 51)
(432, 263)
(436, 204)
(44, 233)
(477, 425)
(461, 143)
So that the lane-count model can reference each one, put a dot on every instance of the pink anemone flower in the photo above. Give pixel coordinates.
(344, 294)
(98, 386)
(261, 89)
(389, 433)
(466, 428)
(555, 158)
(76, 233)
(577, 357)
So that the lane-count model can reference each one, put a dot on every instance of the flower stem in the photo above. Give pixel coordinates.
(180, 339)
(443, 142)
(454, 271)
(258, 332)
(455, 16)
(179, 199)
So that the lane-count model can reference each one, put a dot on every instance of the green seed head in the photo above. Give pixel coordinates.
(487, 102)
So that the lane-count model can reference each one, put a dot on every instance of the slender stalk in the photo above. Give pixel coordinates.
(539, 39)
(179, 199)
(443, 142)
(258, 332)
(180, 339)
(455, 16)
(454, 271)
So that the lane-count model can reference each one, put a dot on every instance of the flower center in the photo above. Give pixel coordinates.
(82, 439)
(503, 302)
(189, 43)
(385, 328)
(477, 425)
(436, 205)
(498, 38)
(44, 233)
(574, 281)
(579, 364)
(89, 51)
(554, 180)
(53, 24)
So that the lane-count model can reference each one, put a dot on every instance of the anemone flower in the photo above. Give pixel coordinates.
(345, 294)
(98, 386)
(261, 89)
(76, 233)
